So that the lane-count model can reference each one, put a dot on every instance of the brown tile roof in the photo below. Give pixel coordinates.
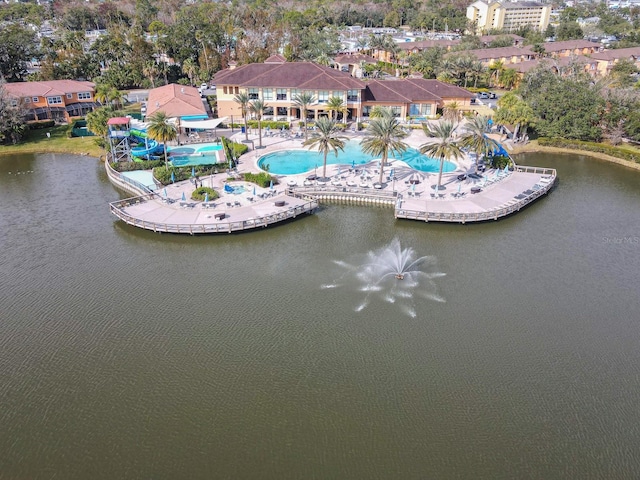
(412, 90)
(47, 88)
(618, 53)
(303, 75)
(175, 100)
(552, 47)
(524, 67)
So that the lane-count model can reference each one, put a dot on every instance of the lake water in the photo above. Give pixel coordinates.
(129, 354)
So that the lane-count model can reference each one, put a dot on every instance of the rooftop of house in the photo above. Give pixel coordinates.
(175, 100)
(353, 58)
(412, 90)
(47, 88)
(617, 54)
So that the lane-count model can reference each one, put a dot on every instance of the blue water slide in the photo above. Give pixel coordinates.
(150, 146)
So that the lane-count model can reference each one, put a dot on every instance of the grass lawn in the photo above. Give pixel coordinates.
(36, 141)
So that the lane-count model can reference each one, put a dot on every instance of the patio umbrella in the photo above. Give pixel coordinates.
(206, 196)
(506, 169)
(270, 184)
(173, 177)
(193, 171)
(413, 187)
(183, 197)
(254, 191)
(459, 187)
(391, 172)
(165, 193)
(353, 164)
(338, 170)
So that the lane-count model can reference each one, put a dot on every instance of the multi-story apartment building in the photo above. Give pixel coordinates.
(58, 100)
(277, 83)
(508, 16)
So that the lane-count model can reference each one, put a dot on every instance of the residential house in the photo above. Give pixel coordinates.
(560, 65)
(608, 58)
(59, 100)
(568, 48)
(353, 63)
(506, 55)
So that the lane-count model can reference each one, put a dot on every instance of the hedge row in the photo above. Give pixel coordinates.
(617, 152)
(132, 166)
(262, 179)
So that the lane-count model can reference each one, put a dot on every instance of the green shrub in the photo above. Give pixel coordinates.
(181, 173)
(262, 179)
(273, 125)
(41, 124)
(199, 193)
(618, 152)
(132, 166)
(500, 161)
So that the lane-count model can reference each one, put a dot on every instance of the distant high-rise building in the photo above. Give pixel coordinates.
(508, 16)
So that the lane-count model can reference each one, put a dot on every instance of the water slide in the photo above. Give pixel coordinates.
(150, 146)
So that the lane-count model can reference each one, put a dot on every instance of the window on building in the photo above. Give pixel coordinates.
(323, 96)
(253, 94)
(281, 94)
(294, 92)
(36, 99)
(366, 110)
(14, 102)
(27, 100)
(352, 95)
(84, 96)
(54, 100)
(267, 93)
(340, 95)
(224, 90)
(236, 90)
(396, 111)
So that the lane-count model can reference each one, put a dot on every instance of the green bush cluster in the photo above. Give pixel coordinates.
(182, 173)
(617, 152)
(500, 161)
(132, 166)
(273, 125)
(199, 193)
(262, 179)
(41, 124)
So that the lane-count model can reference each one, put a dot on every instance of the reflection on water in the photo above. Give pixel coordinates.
(130, 354)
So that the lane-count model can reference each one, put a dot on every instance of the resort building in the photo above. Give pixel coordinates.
(508, 16)
(176, 101)
(58, 100)
(353, 63)
(561, 65)
(277, 84)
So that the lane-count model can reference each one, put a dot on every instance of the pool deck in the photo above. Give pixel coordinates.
(487, 196)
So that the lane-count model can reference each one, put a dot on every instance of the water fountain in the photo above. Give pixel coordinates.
(391, 274)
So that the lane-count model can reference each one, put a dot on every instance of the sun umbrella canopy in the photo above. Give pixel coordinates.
(193, 171)
(271, 184)
(254, 191)
(206, 196)
(173, 177)
(165, 193)
(183, 197)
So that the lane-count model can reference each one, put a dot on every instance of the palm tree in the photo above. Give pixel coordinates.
(495, 69)
(161, 130)
(383, 137)
(446, 146)
(242, 99)
(451, 111)
(303, 101)
(150, 69)
(336, 105)
(326, 138)
(476, 140)
(190, 69)
(102, 94)
(257, 108)
(116, 97)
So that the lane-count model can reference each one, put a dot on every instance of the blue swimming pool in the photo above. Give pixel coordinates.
(192, 155)
(292, 162)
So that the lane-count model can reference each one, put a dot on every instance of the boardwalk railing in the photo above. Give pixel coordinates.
(220, 226)
(124, 182)
(341, 193)
(504, 210)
